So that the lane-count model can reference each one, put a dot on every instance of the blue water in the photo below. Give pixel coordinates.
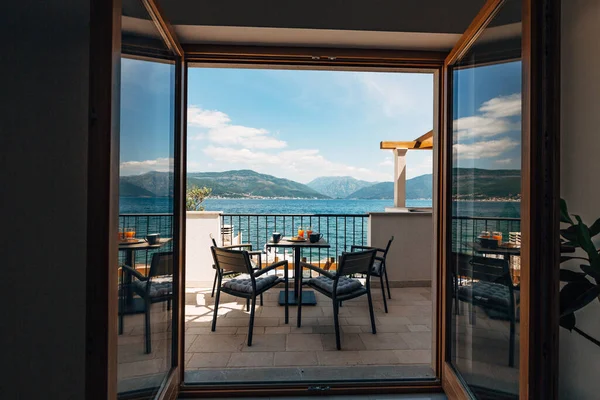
(139, 205)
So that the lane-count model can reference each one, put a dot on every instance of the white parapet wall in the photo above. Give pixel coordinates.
(409, 261)
(198, 259)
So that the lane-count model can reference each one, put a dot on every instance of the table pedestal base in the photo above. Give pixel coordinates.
(308, 298)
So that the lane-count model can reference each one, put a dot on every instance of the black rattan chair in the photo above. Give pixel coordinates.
(339, 287)
(238, 261)
(156, 287)
(379, 269)
(490, 288)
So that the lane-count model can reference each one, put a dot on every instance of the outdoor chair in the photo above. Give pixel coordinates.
(156, 287)
(490, 288)
(339, 287)
(379, 269)
(238, 261)
(242, 246)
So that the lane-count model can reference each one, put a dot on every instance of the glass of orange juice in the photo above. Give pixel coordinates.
(129, 233)
(497, 236)
(300, 232)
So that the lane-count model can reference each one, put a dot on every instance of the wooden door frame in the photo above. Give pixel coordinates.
(540, 195)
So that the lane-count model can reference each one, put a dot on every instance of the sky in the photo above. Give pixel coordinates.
(300, 124)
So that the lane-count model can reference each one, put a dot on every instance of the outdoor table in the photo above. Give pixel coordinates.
(131, 305)
(308, 297)
(501, 251)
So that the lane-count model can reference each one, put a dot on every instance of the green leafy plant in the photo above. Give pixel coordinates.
(195, 196)
(581, 288)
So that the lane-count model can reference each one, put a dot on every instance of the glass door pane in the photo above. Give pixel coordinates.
(484, 253)
(146, 207)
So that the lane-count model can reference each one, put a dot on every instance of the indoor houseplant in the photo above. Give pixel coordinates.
(580, 287)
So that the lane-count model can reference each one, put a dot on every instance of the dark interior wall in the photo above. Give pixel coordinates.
(43, 169)
(435, 16)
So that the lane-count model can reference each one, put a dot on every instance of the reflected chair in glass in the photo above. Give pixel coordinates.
(379, 269)
(492, 289)
(241, 246)
(156, 287)
(340, 287)
(238, 261)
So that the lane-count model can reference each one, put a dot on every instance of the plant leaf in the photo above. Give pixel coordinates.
(566, 275)
(567, 258)
(564, 212)
(595, 228)
(585, 241)
(568, 321)
(570, 233)
(576, 295)
(594, 273)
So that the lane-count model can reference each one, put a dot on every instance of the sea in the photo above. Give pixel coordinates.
(143, 205)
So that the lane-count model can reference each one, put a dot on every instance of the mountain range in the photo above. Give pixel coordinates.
(468, 184)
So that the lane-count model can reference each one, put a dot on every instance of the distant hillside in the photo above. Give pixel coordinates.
(419, 187)
(247, 183)
(150, 184)
(378, 191)
(481, 184)
(337, 187)
(474, 184)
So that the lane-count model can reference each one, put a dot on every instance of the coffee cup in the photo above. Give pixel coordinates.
(315, 237)
(276, 237)
(153, 238)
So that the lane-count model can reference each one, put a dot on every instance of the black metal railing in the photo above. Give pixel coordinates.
(341, 231)
(466, 230)
(144, 224)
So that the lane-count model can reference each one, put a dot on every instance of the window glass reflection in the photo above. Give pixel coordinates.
(145, 223)
(486, 194)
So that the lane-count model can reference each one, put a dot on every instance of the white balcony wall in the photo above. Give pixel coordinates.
(410, 259)
(198, 258)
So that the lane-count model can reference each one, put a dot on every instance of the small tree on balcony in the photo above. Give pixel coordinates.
(195, 196)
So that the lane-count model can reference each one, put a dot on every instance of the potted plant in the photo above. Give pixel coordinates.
(581, 287)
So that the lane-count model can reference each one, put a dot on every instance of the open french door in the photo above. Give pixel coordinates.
(498, 205)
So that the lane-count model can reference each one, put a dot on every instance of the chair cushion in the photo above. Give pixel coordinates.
(158, 287)
(245, 285)
(345, 284)
(376, 269)
(486, 293)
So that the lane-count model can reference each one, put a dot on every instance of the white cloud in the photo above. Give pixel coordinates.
(218, 129)
(506, 161)
(387, 162)
(484, 149)
(300, 164)
(494, 119)
(206, 118)
(141, 167)
(481, 126)
(502, 106)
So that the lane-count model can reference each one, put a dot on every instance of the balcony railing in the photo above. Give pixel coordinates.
(465, 230)
(341, 231)
(144, 224)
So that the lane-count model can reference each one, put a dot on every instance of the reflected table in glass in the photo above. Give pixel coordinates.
(308, 297)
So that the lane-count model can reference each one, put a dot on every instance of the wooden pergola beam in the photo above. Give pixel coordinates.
(423, 142)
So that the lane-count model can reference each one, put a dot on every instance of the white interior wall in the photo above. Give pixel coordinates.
(580, 172)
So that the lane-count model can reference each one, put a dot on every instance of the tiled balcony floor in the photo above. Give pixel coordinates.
(403, 338)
